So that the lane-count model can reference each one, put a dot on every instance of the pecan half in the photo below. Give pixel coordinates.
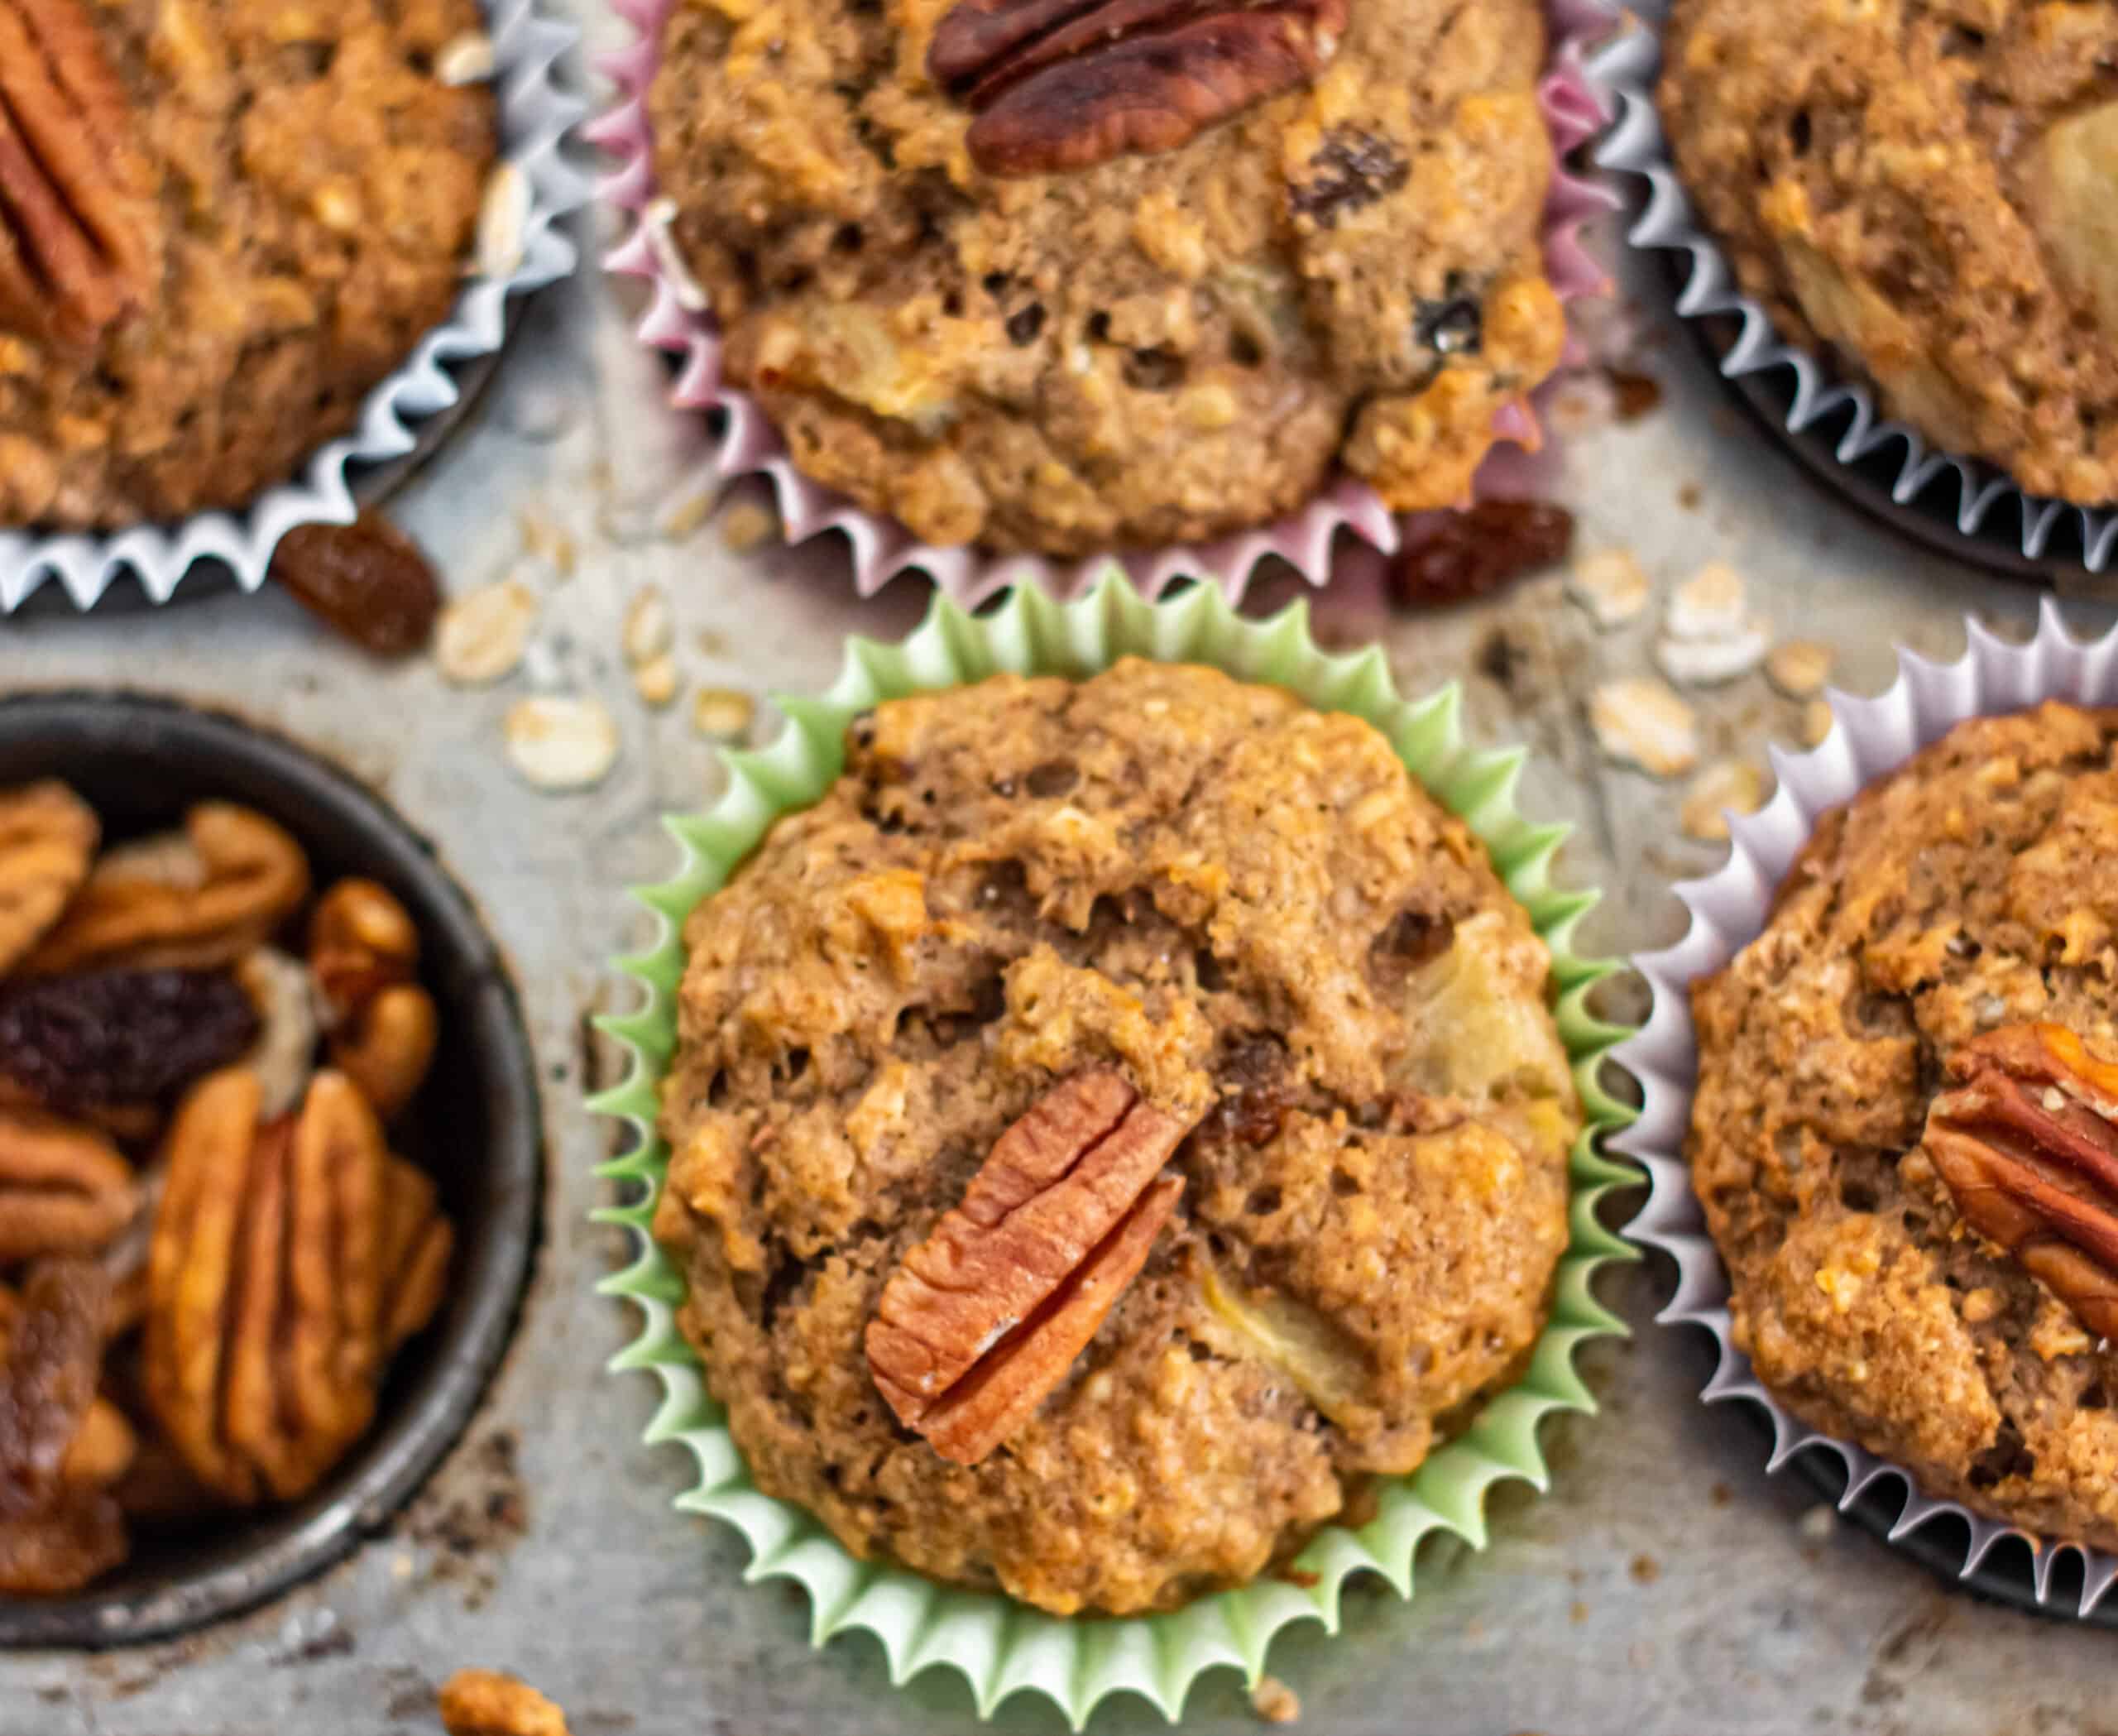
(79, 247)
(48, 837)
(984, 1317)
(64, 1189)
(363, 952)
(272, 1297)
(1062, 85)
(200, 899)
(2027, 1145)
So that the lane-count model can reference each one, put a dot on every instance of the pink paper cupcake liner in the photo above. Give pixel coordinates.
(678, 321)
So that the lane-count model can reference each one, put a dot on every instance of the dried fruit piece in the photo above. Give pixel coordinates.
(2027, 1143)
(198, 901)
(417, 1244)
(1062, 85)
(984, 1317)
(367, 580)
(486, 1703)
(272, 1300)
(2069, 177)
(1471, 553)
(64, 1189)
(48, 837)
(364, 952)
(1349, 170)
(121, 1036)
(79, 237)
(1324, 1363)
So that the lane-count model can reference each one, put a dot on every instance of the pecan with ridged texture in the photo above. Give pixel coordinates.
(272, 1298)
(364, 953)
(80, 243)
(48, 837)
(2027, 1143)
(64, 1188)
(1059, 86)
(983, 1318)
(60, 1448)
(199, 899)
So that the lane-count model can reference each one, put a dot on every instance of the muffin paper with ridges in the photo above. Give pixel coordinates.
(677, 322)
(1728, 910)
(1625, 71)
(999, 1647)
(536, 116)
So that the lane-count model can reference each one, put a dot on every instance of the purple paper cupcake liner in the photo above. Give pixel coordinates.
(1964, 504)
(678, 321)
(1729, 910)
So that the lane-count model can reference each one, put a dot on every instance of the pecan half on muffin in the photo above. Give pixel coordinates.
(221, 221)
(1113, 1126)
(1905, 1134)
(1061, 276)
(1925, 186)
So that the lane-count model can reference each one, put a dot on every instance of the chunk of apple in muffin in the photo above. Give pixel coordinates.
(2073, 182)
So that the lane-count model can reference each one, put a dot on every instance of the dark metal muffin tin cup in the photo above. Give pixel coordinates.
(1827, 419)
(477, 1128)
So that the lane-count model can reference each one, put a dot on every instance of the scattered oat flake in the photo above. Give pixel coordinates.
(547, 541)
(481, 635)
(1579, 404)
(746, 526)
(1818, 1522)
(1610, 586)
(465, 60)
(1275, 1700)
(541, 412)
(649, 631)
(655, 680)
(655, 223)
(721, 711)
(680, 520)
(1816, 722)
(1708, 605)
(504, 224)
(1799, 667)
(562, 742)
(1725, 786)
(1710, 662)
(1641, 722)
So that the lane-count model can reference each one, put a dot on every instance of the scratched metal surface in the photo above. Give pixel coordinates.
(1664, 1588)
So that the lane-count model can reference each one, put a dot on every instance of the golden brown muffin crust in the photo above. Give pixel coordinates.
(1152, 351)
(1927, 185)
(1974, 887)
(1249, 908)
(320, 188)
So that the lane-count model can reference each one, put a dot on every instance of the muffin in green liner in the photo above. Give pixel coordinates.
(1000, 1646)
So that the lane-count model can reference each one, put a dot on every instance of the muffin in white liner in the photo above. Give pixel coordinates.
(535, 118)
(1729, 909)
(1964, 504)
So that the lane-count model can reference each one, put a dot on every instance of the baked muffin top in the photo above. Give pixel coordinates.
(1945, 943)
(295, 191)
(1246, 913)
(1926, 185)
(1147, 350)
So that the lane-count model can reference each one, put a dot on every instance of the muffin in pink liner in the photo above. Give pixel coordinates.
(678, 320)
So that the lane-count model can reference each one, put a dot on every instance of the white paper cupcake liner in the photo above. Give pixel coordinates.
(679, 321)
(1990, 513)
(1728, 909)
(535, 117)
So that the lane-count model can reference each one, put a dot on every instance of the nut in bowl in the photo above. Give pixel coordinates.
(268, 1158)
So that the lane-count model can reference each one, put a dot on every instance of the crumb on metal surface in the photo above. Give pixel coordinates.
(1275, 1700)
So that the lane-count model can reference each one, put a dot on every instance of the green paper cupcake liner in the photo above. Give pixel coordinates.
(999, 1647)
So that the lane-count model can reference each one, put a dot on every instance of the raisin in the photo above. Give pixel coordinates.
(1024, 325)
(1153, 370)
(120, 1036)
(1453, 327)
(1470, 554)
(1354, 169)
(1635, 394)
(367, 579)
(1255, 1095)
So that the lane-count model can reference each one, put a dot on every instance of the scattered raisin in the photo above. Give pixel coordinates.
(1636, 395)
(1470, 554)
(1354, 169)
(367, 579)
(120, 1036)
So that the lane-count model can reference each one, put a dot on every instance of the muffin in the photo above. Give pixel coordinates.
(1114, 1124)
(1905, 1132)
(221, 223)
(1059, 293)
(1925, 187)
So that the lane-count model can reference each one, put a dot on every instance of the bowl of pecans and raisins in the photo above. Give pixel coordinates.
(269, 1158)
